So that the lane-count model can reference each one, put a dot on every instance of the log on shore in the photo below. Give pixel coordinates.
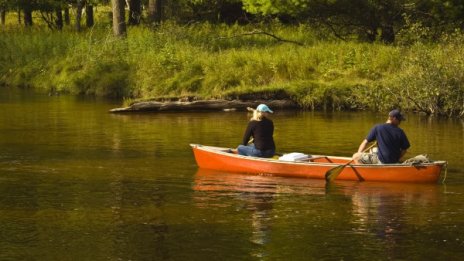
(203, 105)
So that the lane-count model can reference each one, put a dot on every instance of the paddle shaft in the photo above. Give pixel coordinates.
(332, 173)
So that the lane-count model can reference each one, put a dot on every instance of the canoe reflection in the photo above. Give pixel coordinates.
(256, 195)
(389, 211)
(385, 211)
(223, 182)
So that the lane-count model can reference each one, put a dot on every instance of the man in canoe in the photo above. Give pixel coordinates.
(391, 141)
(261, 129)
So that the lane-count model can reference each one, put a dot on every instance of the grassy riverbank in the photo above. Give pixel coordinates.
(217, 61)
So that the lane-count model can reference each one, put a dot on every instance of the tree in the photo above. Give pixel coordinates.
(436, 13)
(79, 6)
(59, 18)
(119, 24)
(51, 13)
(229, 11)
(67, 19)
(27, 7)
(135, 12)
(370, 19)
(3, 9)
(155, 10)
(89, 15)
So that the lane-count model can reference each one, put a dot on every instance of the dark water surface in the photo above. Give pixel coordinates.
(78, 183)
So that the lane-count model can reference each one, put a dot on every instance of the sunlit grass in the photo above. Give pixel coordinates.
(219, 61)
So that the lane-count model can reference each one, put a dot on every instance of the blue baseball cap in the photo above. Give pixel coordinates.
(263, 108)
(397, 114)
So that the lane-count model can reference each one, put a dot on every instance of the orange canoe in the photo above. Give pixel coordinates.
(223, 159)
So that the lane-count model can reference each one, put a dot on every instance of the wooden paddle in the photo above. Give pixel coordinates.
(332, 173)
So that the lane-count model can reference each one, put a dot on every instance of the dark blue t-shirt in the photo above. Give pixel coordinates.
(391, 140)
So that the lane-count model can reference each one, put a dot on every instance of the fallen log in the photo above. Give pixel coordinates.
(203, 105)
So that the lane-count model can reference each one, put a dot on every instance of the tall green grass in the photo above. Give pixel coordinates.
(218, 61)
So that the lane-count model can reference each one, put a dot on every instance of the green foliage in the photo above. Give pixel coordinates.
(369, 20)
(208, 61)
(268, 7)
(414, 32)
(431, 80)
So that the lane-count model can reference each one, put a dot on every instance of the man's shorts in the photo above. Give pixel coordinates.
(369, 158)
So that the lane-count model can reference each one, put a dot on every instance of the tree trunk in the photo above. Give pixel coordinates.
(151, 10)
(27, 14)
(19, 16)
(135, 12)
(79, 7)
(155, 11)
(371, 33)
(67, 20)
(159, 10)
(388, 34)
(89, 15)
(3, 16)
(119, 24)
(59, 18)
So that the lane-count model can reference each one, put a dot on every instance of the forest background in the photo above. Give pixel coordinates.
(323, 54)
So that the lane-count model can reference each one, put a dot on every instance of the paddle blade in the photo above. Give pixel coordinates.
(333, 173)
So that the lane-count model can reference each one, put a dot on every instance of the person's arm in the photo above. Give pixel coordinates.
(405, 146)
(403, 152)
(247, 135)
(362, 146)
(361, 150)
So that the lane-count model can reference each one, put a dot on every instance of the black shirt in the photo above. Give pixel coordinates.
(262, 132)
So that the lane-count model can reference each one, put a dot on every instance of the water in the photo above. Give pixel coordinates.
(78, 183)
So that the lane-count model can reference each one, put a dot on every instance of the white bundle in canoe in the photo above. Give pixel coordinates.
(294, 156)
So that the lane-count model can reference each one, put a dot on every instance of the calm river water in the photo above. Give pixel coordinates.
(79, 183)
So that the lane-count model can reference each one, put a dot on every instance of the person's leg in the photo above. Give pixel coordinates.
(375, 159)
(245, 150)
(357, 158)
(267, 153)
(256, 152)
(368, 158)
(249, 150)
(262, 153)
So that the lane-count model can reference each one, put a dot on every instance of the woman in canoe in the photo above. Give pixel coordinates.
(261, 129)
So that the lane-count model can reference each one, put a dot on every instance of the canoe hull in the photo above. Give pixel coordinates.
(217, 158)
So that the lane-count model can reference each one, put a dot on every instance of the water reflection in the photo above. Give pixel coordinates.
(257, 193)
(79, 183)
(382, 214)
(139, 227)
(222, 182)
(388, 212)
